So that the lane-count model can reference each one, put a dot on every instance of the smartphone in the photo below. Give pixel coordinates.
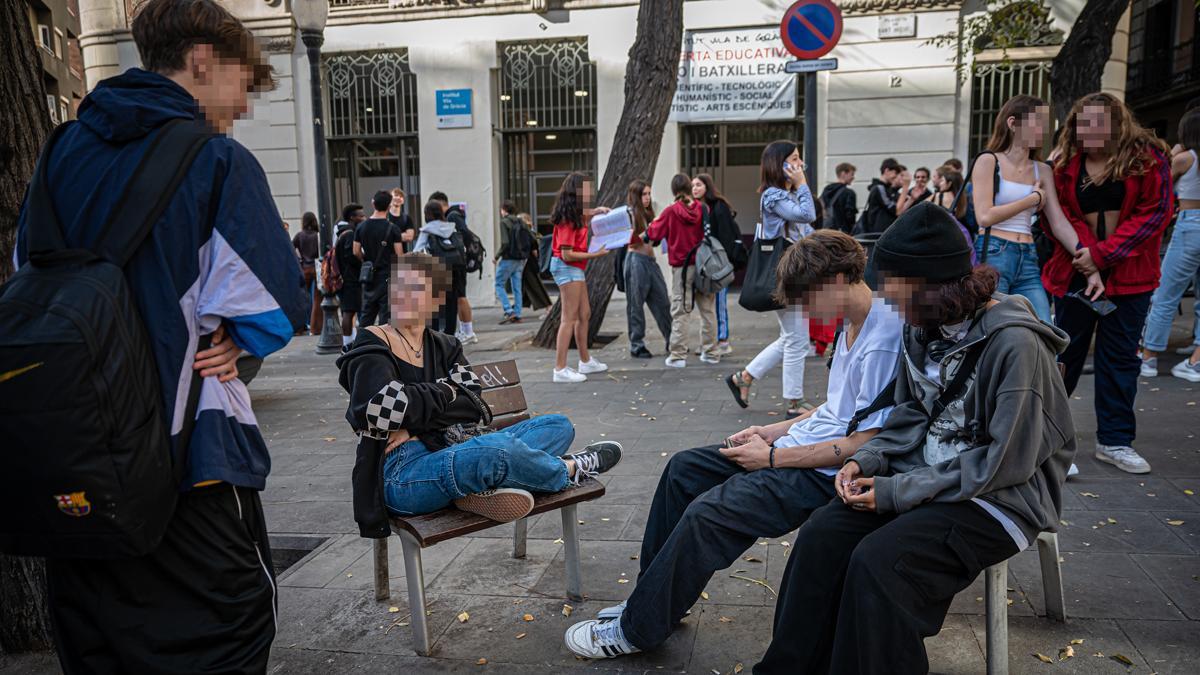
(729, 442)
(787, 168)
(1102, 306)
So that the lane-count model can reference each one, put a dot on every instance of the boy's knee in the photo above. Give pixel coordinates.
(559, 424)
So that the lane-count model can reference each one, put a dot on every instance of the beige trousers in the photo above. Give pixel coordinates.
(684, 299)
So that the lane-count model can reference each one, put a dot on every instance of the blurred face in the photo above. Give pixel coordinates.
(220, 85)
(846, 177)
(921, 177)
(1093, 127)
(917, 301)
(902, 179)
(938, 182)
(646, 197)
(794, 158)
(586, 195)
(1030, 131)
(397, 202)
(358, 217)
(698, 189)
(827, 301)
(412, 299)
(889, 176)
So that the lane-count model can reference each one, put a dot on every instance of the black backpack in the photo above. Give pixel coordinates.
(473, 251)
(450, 249)
(520, 241)
(86, 450)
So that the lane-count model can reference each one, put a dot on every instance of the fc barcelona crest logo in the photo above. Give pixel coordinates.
(74, 504)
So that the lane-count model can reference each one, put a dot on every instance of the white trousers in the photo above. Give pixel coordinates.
(790, 347)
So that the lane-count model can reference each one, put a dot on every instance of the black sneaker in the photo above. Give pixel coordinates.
(641, 353)
(594, 460)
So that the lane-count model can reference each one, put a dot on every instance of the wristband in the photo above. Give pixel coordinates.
(772, 457)
(453, 391)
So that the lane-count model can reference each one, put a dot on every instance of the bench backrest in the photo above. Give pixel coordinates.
(501, 383)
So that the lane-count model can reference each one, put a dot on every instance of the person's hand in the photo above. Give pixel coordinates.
(1095, 286)
(1038, 196)
(219, 360)
(795, 174)
(1084, 263)
(860, 494)
(600, 210)
(849, 471)
(751, 456)
(743, 437)
(408, 235)
(905, 178)
(396, 439)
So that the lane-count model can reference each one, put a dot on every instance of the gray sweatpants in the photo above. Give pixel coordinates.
(645, 285)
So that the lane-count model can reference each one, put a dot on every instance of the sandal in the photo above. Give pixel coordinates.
(798, 406)
(736, 385)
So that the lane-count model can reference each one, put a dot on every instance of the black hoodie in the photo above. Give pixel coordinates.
(386, 395)
(881, 207)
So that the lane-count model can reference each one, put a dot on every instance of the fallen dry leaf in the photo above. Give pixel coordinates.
(704, 594)
(1112, 521)
(527, 617)
(1066, 653)
(481, 662)
(1043, 658)
(725, 619)
(462, 618)
(1077, 641)
(622, 581)
(738, 668)
(567, 609)
(784, 544)
(1189, 492)
(393, 610)
(1176, 523)
(558, 541)
(330, 439)
(1093, 495)
(752, 559)
(1122, 659)
(520, 636)
(633, 557)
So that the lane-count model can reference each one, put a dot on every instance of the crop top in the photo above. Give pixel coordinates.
(1098, 197)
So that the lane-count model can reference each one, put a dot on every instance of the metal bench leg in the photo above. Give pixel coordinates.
(571, 543)
(996, 592)
(383, 589)
(520, 530)
(416, 592)
(1052, 587)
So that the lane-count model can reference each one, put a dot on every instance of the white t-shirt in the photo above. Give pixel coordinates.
(856, 378)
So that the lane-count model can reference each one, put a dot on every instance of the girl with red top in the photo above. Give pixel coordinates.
(571, 216)
(682, 225)
(1113, 181)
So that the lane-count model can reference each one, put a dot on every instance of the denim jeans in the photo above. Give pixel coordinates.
(645, 287)
(509, 271)
(1019, 271)
(1179, 267)
(525, 455)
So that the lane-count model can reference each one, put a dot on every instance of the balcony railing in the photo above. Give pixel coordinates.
(1164, 70)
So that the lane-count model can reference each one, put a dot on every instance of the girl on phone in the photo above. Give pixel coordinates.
(571, 216)
(644, 282)
(1114, 181)
(787, 210)
(1005, 208)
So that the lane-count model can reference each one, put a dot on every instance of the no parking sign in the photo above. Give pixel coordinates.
(811, 28)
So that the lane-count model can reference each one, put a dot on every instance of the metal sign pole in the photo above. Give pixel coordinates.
(810, 131)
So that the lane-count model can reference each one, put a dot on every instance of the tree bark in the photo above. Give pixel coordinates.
(650, 78)
(24, 122)
(1077, 69)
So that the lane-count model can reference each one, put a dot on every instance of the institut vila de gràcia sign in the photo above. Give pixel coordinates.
(735, 74)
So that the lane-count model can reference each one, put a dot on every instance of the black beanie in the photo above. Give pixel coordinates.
(925, 242)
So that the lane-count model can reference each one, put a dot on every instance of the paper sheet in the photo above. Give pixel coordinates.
(611, 230)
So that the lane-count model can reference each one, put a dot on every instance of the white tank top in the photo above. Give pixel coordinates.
(1009, 192)
(1188, 185)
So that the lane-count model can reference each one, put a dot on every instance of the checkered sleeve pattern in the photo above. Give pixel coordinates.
(465, 377)
(385, 411)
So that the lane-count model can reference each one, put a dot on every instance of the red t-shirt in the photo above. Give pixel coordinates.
(566, 234)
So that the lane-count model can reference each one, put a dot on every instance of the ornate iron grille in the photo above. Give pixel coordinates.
(994, 83)
(370, 94)
(548, 84)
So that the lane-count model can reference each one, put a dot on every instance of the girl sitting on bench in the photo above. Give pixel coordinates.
(417, 410)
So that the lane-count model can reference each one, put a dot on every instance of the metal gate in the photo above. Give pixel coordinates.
(371, 125)
(994, 83)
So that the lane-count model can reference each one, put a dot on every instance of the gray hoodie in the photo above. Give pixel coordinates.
(437, 228)
(1010, 435)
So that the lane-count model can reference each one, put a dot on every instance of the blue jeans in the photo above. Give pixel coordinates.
(1179, 267)
(509, 271)
(722, 316)
(526, 455)
(1019, 272)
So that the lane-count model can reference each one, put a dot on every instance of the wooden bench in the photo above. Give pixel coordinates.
(502, 391)
(996, 592)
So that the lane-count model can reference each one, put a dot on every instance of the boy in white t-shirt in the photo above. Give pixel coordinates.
(713, 503)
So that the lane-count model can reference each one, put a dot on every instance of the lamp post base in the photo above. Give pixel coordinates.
(331, 328)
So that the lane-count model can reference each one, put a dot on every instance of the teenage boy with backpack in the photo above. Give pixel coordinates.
(441, 238)
(713, 503)
(841, 204)
(884, 200)
(377, 242)
(212, 261)
(472, 262)
(516, 245)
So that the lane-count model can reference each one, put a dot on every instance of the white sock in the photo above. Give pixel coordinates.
(346, 339)
(466, 328)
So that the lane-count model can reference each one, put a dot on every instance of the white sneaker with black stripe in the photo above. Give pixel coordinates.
(610, 613)
(595, 639)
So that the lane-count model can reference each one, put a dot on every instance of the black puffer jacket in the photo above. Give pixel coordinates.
(382, 399)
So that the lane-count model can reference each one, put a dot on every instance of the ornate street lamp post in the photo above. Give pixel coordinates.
(310, 17)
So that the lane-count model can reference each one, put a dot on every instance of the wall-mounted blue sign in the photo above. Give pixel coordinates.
(453, 107)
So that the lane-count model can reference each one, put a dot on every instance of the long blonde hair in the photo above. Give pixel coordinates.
(1132, 141)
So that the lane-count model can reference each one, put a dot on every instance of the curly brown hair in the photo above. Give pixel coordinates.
(950, 302)
(816, 259)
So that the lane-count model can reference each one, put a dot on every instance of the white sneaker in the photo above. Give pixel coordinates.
(568, 375)
(610, 613)
(1150, 367)
(595, 639)
(673, 362)
(592, 366)
(1072, 470)
(710, 358)
(1186, 370)
(469, 339)
(723, 349)
(1123, 457)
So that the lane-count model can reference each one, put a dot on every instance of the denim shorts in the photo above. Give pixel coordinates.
(564, 273)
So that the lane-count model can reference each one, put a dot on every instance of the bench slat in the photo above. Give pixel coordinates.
(500, 423)
(449, 523)
(505, 400)
(497, 374)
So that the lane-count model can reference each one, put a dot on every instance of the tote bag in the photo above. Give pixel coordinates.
(759, 282)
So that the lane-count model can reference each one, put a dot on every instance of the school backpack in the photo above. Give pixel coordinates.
(331, 272)
(712, 270)
(87, 449)
(473, 252)
(450, 249)
(520, 241)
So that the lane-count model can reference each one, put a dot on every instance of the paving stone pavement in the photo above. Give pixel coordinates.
(1131, 573)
